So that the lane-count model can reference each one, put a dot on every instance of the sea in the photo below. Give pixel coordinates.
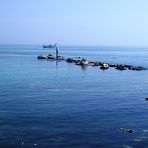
(49, 104)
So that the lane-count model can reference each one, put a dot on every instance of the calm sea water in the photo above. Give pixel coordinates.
(49, 105)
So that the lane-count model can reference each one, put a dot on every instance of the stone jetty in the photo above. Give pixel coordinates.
(84, 62)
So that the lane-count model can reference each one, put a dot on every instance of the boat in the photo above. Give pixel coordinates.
(49, 46)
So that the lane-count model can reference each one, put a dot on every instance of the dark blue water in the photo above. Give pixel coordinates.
(49, 105)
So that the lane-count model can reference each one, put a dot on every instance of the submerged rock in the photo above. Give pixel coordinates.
(127, 130)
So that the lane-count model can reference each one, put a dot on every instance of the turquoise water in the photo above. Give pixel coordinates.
(45, 104)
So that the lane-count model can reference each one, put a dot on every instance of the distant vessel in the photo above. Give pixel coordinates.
(50, 46)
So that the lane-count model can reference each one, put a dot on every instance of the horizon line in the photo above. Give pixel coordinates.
(78, 45)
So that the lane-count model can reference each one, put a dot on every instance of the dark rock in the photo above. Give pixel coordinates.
(77, 62)
(121, 67)
(112, 65)
(128, 66)
(71, 60)
(129, 130)
(101, 64)
(146, 99)
(42, 57)
(138, 68)
(96, 64)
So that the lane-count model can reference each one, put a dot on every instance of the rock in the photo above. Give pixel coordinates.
(112, 65)
(146, 99)
(121, 67)
(77, 62)
(127, 130)
(83, 62)
(51, 57)
(128, 66)
(91, 63)
(104, 66)
(138, 68)
(71, 60)
(96, 64)
(42, 57)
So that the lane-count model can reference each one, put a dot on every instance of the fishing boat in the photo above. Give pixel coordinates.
(49, 46)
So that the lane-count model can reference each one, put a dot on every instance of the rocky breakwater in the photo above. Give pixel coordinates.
(103, 66)
(84, 62)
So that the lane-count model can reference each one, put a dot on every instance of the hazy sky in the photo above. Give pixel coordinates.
(74, 22)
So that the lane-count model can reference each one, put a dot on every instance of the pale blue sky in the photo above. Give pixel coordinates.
(74, 22)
